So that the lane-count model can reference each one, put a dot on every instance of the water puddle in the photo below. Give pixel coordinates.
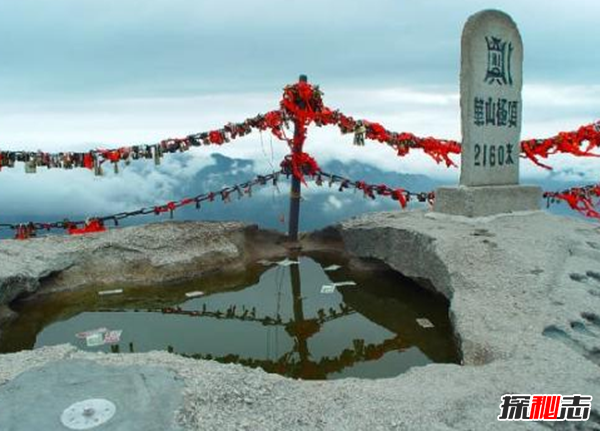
(314, 319)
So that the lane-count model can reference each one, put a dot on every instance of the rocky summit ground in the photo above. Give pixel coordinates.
(155, 252)
(524, 291)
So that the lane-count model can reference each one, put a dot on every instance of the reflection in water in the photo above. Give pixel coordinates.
(280, 322)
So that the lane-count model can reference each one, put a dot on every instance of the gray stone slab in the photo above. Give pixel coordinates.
(491, 79)
(146, 397)
(486, 201)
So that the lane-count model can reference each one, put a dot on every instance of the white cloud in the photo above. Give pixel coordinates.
(79, 191)
(333, 203)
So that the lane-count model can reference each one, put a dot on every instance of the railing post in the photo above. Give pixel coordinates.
(295, 191)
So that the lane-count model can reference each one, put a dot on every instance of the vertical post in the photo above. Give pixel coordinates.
(302, 329)
(295, 191)
(299, 312)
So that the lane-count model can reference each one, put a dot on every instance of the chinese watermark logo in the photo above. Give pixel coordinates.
(526, 407)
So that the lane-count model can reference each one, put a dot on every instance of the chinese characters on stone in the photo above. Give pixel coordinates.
(498, 112)
(493, 155)
(499, 61)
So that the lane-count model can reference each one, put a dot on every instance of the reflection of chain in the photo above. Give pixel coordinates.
(361, 352)
(248, 315)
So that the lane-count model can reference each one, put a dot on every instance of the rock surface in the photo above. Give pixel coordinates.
(524, 292)
(141, 255)
(515, 282)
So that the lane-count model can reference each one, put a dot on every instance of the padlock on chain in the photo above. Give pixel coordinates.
(193, 140)
(225, 196)
(31, 166)
(157, 154)
(344, 185)
(45, 160)
(68, 161)
(184, 145)
(52, 163)
(319, 180)
(97, 166)
(239, 192)
(276, 182)
(402, 148)
(359, 134)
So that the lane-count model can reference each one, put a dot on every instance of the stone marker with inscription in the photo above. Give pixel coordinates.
(491, 80)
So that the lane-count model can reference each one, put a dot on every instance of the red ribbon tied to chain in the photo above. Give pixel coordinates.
(399, 195)
(24, 231)
(564, 142)
(88, 161)
(111, 155)
(581, 200)
(274, 121)
(300, 164)
(376, 132)
(91, 226)
(169, 207)
(302, 102)
(216, 137)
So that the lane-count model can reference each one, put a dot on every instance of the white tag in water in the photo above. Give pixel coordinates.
(424, 323)
(327, 288)
(85, 334)
(287, 262)
(332, 268)
(344, 283)
(110, 292)
(112, 337)
(95, 340)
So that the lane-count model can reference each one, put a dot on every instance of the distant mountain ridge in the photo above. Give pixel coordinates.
(233, 170)
(269, 208)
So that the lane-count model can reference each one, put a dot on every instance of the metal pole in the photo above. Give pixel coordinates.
(295, 191)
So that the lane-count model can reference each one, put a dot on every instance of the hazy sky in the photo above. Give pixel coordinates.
(88, 73)
(126, 48)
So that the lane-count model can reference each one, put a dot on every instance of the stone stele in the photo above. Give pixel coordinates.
(491, 80)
